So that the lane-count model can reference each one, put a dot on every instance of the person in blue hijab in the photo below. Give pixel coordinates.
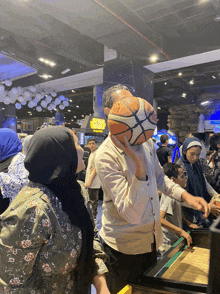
(196, 184)
(13, 175)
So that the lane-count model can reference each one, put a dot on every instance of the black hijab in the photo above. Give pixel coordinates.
(52, 160)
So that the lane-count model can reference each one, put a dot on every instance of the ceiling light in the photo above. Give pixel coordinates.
(213, 77)
(41, 59)
(65, 71)
(70, 100)
(47, 61)
(77, 106)
(205, 102)
(52, 63)
(217, 18)
(191, 82)
(165, 83)
(74, 116)
(154, 58)
(69, 110)
(158, 107)
(71, 119)
(82, 115)
(184, 95)
(45, 76)
(180, 74)
(73, 91)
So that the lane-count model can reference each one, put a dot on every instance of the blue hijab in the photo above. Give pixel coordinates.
(196, 184)
(9, 143)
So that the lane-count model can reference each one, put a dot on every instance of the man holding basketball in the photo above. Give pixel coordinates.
(130, 176)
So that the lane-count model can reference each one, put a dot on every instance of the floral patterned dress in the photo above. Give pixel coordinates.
(38, 245)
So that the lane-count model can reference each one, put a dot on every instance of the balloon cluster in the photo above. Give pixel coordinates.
(32, 96)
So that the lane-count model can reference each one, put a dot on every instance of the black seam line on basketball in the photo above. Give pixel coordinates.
(140, 135)
(134, 114)
(129, 128)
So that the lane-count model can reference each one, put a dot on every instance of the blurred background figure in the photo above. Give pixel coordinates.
(164, 153)
(13, 175)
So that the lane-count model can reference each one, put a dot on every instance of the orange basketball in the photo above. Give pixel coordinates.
(134, 118)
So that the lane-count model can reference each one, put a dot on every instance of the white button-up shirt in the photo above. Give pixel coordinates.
(131, 210)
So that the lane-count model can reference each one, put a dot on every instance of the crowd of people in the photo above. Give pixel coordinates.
(49, 242)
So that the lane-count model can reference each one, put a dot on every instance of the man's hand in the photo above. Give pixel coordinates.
(214, 208)
(138, 158)
(194, 226)
(187, 236)
(197, 203)
(88, 184)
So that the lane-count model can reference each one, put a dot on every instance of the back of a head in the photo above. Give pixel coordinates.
(171, 169)
(214, 141)
(50, 154)
(163, 139)
(10, 144)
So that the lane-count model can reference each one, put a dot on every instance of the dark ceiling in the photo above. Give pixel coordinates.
(73, 34)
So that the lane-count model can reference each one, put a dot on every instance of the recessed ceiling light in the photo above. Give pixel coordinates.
(165, 83)
(73, 91)
(77, 106)
(45, 76)
(52, 63)
(74, 116)
(214, 77)
(158, 107)
(180, 74)
(191, 82)
(69, 110)
(154, 58)
(71, 119)
(41, 59)
(184, 95)
(70, 100)
(65, 71)
(205, 102)
(82, 115)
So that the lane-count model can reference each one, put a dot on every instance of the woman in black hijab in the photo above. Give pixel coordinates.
(52, 227)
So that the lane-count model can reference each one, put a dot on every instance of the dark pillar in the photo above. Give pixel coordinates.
(138, 79)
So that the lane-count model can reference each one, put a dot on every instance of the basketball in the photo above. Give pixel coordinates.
(134, 118)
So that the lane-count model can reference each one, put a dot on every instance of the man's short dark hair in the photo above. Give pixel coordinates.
(171, 170)
(92, 139)
(163, 139)
(214, 141)
(108, 98)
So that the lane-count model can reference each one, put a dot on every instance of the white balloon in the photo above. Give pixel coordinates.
(53, 94)
(14, 91)
(57, 101)
(1, 98)
(53, 105)
(48, 99)
(18, 105)
(61, 106)
(43, 103)
(2, 88)
(32, 89)
(23, 102)
(20, 98)
(31, 104)
(8, 83)
(49, 107)
(13, 99)
(39, 108)
(65, 103)
(20, 90)
(7, 100)
(38, 97)
(27, 94)
(43, 94)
